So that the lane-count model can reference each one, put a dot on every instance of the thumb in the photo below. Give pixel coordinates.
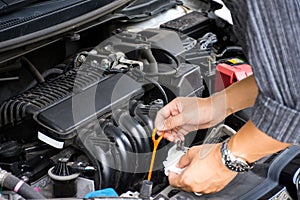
(184, 161)
(173, 122)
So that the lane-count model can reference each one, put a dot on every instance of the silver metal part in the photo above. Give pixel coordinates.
(128, 62)
(130, 194)
(3, 175)
(296, 179)
(81, 58)
(179, 145)
(62, 178)
(218, 134)
(105, 63)
(281, 195)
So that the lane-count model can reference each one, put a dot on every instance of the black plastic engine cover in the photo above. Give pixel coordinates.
(62, 119)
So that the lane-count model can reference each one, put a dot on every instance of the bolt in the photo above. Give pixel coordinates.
(94, 63)
(73, 37)
(25, 178)
(81, 59)
(158, 102)
(93, 52)
(105, 63)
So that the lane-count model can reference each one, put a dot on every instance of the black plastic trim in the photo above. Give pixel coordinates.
(62, 27)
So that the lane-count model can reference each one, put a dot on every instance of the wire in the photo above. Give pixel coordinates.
(230, 48)
(14, 78)
(185, 9)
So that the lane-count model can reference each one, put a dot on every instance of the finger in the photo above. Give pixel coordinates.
(174, 179)
(179, 136)
(174, 112)
(205, 125)
(172, 108)
(184, 161)
(172, 136)
(177, 180)
(169, 137)
(176, 135)
(173, 122)
(161, 116)
(159, 133)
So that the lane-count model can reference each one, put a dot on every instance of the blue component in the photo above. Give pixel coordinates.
(107, 192)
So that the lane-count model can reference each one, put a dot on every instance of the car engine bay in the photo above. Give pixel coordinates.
(77, 113)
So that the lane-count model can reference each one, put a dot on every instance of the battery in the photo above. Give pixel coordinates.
(227, 74)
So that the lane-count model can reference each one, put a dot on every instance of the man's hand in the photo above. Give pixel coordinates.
(204, 171)
(186, 114)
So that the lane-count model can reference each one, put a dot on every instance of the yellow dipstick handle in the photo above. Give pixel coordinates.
(155, 142)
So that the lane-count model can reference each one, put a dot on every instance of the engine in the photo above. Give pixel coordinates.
(96, 119)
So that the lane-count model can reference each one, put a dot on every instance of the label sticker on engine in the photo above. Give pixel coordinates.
(50, 141)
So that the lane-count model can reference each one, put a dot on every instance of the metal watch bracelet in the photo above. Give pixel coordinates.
(232, 162)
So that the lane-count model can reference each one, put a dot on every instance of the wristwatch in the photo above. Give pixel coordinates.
(232, 162)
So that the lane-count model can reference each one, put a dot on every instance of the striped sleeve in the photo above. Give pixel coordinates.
(269, 32)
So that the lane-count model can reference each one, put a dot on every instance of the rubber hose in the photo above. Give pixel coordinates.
(45, 74)
(33, 70)
(153, 67)
(20, 187)
(167, 73)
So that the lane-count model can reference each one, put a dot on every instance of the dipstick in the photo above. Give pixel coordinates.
(155, 145)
